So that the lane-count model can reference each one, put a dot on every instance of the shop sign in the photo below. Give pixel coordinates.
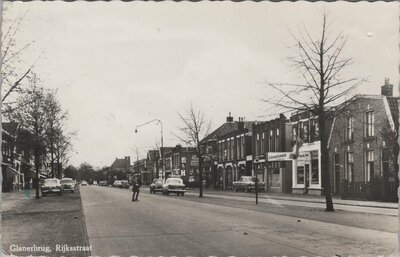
(283, 156)
(304, 156)
(195, 161)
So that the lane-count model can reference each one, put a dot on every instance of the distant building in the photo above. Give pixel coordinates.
(121, 168)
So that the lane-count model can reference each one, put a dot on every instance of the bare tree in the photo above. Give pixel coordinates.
(195, 127)
(321, 66)
(15, 70)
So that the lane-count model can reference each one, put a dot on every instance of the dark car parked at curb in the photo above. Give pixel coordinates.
(174, 185)
(124, 184)
(247, 183)
(68, 184)
(156, 186)
(102, 183)
(51, 186)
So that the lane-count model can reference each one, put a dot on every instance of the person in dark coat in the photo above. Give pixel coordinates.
(135, 190)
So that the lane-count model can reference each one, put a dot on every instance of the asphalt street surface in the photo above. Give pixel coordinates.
(161, 225)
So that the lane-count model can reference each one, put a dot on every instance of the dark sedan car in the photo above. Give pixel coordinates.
(124, 184)
(156, 186)
(51, 186)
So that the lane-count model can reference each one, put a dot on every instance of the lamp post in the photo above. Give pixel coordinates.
(162, 141)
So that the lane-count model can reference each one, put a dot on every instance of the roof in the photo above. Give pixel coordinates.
(394, 103)
(153, 155)
(227, 128)
(120, 163)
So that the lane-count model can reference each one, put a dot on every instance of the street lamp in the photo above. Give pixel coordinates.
(162, 141)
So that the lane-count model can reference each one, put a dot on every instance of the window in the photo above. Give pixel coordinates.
(294, 130)
(369, 124)
(238, 145)
(300, 175)
(232, 147)
(277, 141)
(369, 165)
(262, 144)
(349, 129)
(305, 132)
(314, 171)
(229, 149)
(349, 167)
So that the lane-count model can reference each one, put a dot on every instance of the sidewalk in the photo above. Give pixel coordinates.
(302, 198)
(296, 198)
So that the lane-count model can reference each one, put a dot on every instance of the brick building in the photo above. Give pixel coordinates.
(209, 150)
(183, 162)
(272, 137)
(363, 149)
(306, 169)
(120, 169)
(234, 153)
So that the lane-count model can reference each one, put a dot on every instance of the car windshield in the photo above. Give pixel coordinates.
(66, 181)
(245, 179)
(175, 181)
(50, 182)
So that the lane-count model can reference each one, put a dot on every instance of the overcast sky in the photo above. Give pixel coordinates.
(117, 65)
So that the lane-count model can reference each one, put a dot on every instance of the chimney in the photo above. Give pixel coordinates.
(229, 118)
(241, 123)
(387, 88)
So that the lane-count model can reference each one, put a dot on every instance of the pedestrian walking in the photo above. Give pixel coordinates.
(135, 190)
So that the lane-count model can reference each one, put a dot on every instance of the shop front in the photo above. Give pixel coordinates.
(307, 170)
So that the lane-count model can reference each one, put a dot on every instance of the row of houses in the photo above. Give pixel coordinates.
(17, 164)
(362, 144)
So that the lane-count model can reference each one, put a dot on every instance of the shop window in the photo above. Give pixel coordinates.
(314, 171)
(369, 165)
(275, 178)
(349, 167)
(300, 175)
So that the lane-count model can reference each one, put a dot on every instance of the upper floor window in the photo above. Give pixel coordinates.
(349, 128)
(277, 141)
(369, 124)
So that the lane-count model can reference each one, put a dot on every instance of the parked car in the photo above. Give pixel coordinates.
(84, 183)
(124, 184)
(247, 183)
(173, 185)
(68, 184)
(156, 186)
(51, 186)
(117, 183)
(102, 183)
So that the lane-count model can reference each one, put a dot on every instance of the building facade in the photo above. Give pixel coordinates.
(234, 154)
(364, 149)
(270, 143)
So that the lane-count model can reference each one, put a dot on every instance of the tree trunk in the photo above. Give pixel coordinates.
(326, 179)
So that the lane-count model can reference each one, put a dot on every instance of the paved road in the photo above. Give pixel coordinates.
(160, 225)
